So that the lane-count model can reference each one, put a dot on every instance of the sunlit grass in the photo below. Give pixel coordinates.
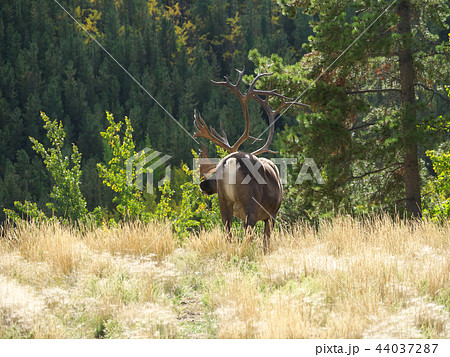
(345, 278)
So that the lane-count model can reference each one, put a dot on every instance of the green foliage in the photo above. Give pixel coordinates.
(69, 202)
(356, 127)
(194, 211)
(187, 215)
(191, 208)
(27, 209)
(130, 203)
(437, 197)
(436, 200)
(172, 48)
(164, 209)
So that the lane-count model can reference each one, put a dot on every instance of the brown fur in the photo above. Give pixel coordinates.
(243, 196)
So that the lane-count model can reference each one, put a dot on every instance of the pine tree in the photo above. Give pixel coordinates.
(366, 65)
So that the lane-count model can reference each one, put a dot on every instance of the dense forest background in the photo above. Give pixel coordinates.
(174, 49)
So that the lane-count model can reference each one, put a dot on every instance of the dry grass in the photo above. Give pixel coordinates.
(349, 278)
(133, 238)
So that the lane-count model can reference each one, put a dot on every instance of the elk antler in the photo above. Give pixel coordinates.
(286, 103)
(256, 94)
(201, 130)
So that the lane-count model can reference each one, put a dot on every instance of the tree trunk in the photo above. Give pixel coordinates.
(409, 121)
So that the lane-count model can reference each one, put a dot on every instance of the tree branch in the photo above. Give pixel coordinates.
(376, 171)
(432, 91)
(373, 91)
(431, 54)
(364, 125)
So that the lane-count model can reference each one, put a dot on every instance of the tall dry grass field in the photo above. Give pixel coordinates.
(346, 278)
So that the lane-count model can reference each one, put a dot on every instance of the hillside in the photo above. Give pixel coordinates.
(172, 49)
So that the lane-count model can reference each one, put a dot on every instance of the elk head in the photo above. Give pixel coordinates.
(248, 187)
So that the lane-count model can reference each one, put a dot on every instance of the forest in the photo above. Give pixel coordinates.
(377, 125)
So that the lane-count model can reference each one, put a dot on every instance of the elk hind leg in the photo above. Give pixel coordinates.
(227, 220)
(268, 226)
(249, 226)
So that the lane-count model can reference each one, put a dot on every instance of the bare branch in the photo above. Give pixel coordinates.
(374, 91)
(364, 125)
(398, 164)
(433, 91)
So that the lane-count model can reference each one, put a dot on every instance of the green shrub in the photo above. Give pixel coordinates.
(436, 202)
(129, 200)
(68, 204)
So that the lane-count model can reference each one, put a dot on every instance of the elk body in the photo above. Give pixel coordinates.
(241, 194)
(248, 187)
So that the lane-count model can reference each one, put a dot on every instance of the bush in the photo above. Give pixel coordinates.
(130, 203)
(436, 202)
(68, 202)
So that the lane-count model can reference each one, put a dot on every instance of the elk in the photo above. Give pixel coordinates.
(248, 187)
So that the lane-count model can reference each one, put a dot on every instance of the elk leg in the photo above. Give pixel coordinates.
(249, 225)
(227, 219)
(227, 223)
(268, 226)
(226, 213)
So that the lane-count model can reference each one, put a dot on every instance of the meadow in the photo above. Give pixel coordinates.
(373, 277)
